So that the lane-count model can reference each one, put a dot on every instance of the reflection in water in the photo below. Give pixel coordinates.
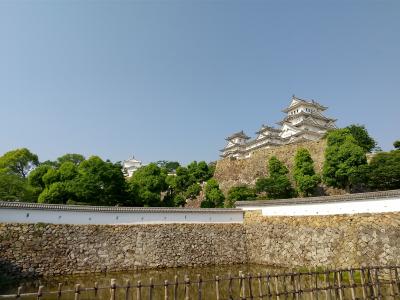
(287, 283)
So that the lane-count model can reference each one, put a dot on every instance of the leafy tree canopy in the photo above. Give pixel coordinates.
(19, 162)
(344, 159)
(193, 191)
(239, 193)
(277, 185)
(304, 174)
(396, 144)
(384, 171)
(213, 195)
(362, 137)
(15, 188)
(97, 182)
(149, 181)
(35, 177)
(74, 158)
(276, 167)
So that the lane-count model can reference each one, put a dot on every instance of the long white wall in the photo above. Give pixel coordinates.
(328, 208)
(134, 216)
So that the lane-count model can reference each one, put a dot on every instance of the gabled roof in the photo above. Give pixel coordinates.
(239, 134)
(308, 114)
(311, 121)
(296, 102)
(267, 128)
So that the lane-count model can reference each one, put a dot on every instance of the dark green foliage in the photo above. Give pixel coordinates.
(277, 185)
(344, 159)
(169, 166)
(239, 193)
(362, 137)
(384, 171)
(149, 181)
(276, 167)
(19, 162)
(98, 182)
(396, 145)
(193, 191)
(179, 200)
(35, 177)
(304, 174)
(74, 158)
(92, 181)
(213, 195)
(15, 188)
(56, 193)
(199, 171)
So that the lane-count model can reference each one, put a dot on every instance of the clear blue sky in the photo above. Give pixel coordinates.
(171, 79)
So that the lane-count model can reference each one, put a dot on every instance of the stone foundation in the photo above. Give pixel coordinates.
(342, 241)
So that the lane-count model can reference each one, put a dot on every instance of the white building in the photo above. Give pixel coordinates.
(304, 121)
(130, 166)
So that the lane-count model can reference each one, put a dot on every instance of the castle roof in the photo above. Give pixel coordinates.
(267, 128)
(296, 102)
(315, 115)
(239, 134)
(311, 121)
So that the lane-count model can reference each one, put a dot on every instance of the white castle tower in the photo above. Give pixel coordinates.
(129, 166)
(304, 121)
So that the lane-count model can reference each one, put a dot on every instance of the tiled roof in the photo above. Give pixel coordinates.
(322, 199)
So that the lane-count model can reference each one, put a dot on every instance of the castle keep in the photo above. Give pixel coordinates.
(304, 121)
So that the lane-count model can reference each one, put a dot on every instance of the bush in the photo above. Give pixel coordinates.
(384, 171)
(277, 185)
(304, 174)
(344, 159)
(193, 191)
(213, 195)
(239, 193)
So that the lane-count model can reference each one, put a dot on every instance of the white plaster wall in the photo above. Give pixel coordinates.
(333, 208)
(23, 215)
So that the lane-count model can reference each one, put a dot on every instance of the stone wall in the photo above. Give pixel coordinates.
(231, 173)
(351, 240)
(46, 249)
(347, 240)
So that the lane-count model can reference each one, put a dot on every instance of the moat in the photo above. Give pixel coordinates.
(240, 281)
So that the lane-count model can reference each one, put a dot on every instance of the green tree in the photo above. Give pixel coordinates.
(15, 188)
(149, 181)
(97, 182)
(362, 137)
(169, 166)
(396, 145)
(277, 185)
(56, 193)
(193, 191)
(199, 171)
(74, 158)
(239, 193)
(344, 159)
(384, 171)
(179, 200)
(19, 162)
(182, 180)
(35, 177)
(213, 195)
(304, 173)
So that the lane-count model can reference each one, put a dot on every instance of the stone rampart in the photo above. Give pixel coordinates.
(351, 240)
(46, 249)
(231, 173)
(343, 241)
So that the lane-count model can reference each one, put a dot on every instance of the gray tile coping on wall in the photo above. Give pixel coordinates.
(322, 199)
(59, 207)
